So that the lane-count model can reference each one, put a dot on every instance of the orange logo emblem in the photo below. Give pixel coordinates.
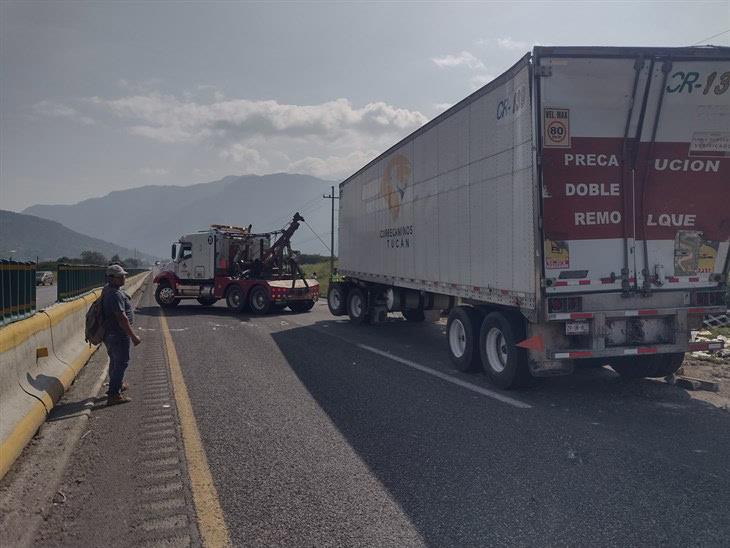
(394, 182)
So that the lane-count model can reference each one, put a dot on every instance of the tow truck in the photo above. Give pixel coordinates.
(244, 268)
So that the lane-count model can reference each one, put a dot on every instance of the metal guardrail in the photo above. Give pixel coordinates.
(77, 279)
(17, 290)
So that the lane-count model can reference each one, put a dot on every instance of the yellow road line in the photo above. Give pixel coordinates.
(211, 524)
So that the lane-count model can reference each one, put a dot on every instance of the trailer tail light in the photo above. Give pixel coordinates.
(565, 304)
(708, 298)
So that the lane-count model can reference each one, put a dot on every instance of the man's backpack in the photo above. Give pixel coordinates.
(95, 322)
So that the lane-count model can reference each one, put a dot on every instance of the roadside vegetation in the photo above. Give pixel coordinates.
(90, 258)
(322, 270)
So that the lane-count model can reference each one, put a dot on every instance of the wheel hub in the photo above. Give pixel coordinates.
(167, 295)
(457, 338)
(497, 351)
(356, 305)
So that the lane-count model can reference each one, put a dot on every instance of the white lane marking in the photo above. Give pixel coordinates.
(448, 378)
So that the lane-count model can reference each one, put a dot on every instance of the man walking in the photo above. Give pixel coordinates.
(118, 333)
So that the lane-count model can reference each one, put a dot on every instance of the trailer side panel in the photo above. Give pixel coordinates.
(451, 210)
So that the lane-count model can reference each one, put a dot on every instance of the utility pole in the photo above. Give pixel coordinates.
(332, 229)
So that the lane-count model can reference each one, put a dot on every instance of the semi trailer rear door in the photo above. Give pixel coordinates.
(635, 167)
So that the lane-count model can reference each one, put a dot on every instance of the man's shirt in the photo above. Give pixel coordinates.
(115, 301)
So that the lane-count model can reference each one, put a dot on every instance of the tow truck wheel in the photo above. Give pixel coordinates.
(165, 296)
(357, 306)
(462, 335)
(207, 301)
(258, 300)
(504, 363)
(235, 299)
(301, 306)
(337, 300)
(638, 367)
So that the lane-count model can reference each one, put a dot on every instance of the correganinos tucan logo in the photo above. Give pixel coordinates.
(394, 182)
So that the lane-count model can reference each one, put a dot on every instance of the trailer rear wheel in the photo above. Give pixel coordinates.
(337, 299)
(638, 367)
(357, 306)
(258, 300)
(301, 306)
(462, 334)
(414, 315)
(165, 296)
(504, 363)
(235, 299)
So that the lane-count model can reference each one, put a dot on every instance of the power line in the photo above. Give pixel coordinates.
(711, 37)
(320, 239)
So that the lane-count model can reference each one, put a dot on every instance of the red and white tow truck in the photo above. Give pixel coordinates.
(245, 269)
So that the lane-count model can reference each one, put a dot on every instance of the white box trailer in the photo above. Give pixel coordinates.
(575, 208)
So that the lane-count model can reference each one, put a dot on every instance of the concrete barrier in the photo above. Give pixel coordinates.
(39, 359)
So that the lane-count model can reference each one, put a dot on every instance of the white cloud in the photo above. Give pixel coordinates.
(440, 107)
(332, 167)
(249, 158)
(509, 44)
(464, 58)
(329, 139)
(154, 171)
(53, 109)
(169, 119)
(478, 80)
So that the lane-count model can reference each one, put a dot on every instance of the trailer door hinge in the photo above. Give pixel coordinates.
(544, 70)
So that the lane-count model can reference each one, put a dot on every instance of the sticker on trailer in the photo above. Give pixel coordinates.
(557, 254)
(556, 127)
(710, 143)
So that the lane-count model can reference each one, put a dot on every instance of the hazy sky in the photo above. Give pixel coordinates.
(100, 96)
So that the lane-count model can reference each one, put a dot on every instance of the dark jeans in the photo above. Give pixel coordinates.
(117, 346)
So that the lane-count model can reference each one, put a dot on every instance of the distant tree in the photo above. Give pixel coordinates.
(131, 262)
(65, 260)
(93, 257)
(116, 259)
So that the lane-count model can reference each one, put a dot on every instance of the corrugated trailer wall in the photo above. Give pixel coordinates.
(450, 209)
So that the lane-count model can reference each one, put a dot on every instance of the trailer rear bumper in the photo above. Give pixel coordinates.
(617, 333)
(636, 350)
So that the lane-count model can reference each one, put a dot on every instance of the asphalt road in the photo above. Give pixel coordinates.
(315, 437)
(45, 296)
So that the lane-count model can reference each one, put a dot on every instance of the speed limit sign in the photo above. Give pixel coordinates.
(556, 127)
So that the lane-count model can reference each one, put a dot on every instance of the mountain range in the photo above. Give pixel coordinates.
(150, 218)
(26, 237)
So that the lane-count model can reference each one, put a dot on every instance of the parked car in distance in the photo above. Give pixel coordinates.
(44, 277)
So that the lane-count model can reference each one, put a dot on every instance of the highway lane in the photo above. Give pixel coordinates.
(314, 437)
(45, 296)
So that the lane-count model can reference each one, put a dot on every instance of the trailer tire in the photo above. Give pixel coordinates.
(301, 306)
(414, 316)
(258, 300)
(504, 363)
(337, 299)
(207, 301)
(357, 306)
(462, 337)
(235, 299)
(639, 367)
(164, 295)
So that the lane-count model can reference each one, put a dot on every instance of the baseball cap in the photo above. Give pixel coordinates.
(115, 270)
